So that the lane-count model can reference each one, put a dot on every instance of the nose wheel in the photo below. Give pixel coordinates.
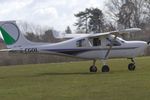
(131, 66)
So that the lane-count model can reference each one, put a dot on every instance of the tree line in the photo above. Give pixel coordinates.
(119, 14)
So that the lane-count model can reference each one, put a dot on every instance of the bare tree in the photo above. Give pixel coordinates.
(129, 13)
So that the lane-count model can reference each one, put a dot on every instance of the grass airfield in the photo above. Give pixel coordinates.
(73, 81)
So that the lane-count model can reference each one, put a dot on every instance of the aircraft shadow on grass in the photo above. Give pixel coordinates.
(76, 73)
(62, 74)
(67, 73)
(47, 74)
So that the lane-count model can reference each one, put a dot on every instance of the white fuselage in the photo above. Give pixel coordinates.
(85, 48)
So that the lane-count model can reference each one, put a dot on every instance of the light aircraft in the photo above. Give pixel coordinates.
(98, 46)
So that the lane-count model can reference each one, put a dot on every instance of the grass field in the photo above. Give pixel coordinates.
(72, 81)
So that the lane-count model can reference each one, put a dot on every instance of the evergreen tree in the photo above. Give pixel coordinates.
(68, 30)
(82, 23)
(96, 21)
(90, 20)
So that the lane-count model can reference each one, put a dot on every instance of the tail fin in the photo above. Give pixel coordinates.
(11, 35)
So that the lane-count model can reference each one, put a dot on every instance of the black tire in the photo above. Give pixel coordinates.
(105, 68)
(131, 67)
(93, 69)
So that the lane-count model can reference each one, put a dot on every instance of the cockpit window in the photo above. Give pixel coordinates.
(80, 43)
(113, 42)
(96, 42)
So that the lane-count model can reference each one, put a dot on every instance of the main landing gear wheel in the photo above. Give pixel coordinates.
(131, 66)
(93, 69)
(105, 68)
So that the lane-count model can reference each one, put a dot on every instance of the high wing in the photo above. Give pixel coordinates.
(125, 31)
(75, 35)
(70, 36)
(59, 35)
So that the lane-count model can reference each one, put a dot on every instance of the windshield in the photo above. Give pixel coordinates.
(122, 40)
(114, 42)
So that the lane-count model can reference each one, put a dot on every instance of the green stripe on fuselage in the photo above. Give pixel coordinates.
(7, 38)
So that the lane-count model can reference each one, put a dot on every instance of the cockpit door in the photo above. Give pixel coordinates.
(95, 41)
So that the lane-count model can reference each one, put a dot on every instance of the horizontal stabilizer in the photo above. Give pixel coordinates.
(5, 50)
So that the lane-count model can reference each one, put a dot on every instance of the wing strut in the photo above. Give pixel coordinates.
(110, 47)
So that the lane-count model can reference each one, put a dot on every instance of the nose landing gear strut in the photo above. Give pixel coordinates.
(131, 66)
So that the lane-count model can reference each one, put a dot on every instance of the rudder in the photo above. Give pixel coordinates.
(11, 35)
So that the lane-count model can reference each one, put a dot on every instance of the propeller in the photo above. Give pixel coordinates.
(148, 42)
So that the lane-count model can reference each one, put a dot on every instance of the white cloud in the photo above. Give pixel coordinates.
(54, 13)
(46, 13)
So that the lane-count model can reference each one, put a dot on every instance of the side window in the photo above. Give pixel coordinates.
(96, 42)
(80, 43)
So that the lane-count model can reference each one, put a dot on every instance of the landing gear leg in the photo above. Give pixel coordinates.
(93, 68)
(131, 66)
(105, 68)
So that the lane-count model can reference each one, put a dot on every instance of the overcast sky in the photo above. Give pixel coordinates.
(54, 13)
